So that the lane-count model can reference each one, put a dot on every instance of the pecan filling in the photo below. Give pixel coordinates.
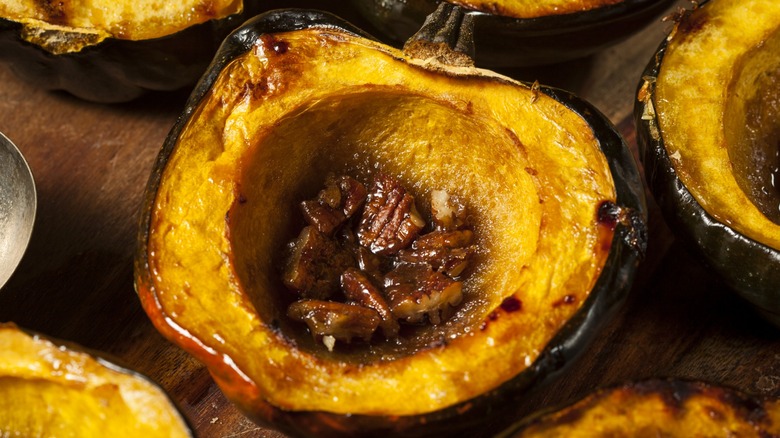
(367, 261)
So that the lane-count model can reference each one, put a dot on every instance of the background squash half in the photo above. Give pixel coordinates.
(511, 33)
(114, 51)
(50, 389)
(707, 118)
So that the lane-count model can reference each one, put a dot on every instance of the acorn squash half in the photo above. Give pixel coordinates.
(668, 408)
(114, 51)
(554, 195)
(708, 118)
(48, 389)
(521, 33)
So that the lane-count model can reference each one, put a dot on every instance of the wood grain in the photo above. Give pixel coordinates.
(91, 163)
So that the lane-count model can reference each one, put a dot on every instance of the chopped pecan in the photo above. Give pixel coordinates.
(315, 265)
(416, 290)
(373, 265)
(359, 288)
(341, 321)
(346, 236)
(448, 252)
(353, 195)
(322, 217)
(338, 252)
(390, 219)
(336, 203)
(448, 213)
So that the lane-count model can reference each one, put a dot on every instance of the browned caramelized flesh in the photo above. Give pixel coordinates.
(367, 260)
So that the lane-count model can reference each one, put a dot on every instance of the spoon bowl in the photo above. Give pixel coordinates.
(18, 201)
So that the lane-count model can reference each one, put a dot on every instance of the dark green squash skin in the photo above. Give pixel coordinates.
(491, 411)
(750, 268)
(514, 42)
(120, 70)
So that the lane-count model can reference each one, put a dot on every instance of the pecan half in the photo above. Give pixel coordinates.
(448, 252)
(341, 321)
(390, 219)
(315, 265)
(358, 287)
(371, 264)
(416, 290)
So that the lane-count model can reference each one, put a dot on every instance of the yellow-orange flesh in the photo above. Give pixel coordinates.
(51, 391)
(70, 25)
(534, 8)
(658, 409)
(717, 103)
(301, 104)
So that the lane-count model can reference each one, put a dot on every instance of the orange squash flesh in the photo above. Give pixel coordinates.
(49, 390)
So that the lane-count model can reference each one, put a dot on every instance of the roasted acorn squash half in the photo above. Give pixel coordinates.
(708, 120)
(114, 51)
(49, 389)
(668, 408)
(553, 193)
(520, 33)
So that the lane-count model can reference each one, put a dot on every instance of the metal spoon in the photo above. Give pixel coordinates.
(18, 201)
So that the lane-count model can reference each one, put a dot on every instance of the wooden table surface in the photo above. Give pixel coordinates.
(91, 163)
